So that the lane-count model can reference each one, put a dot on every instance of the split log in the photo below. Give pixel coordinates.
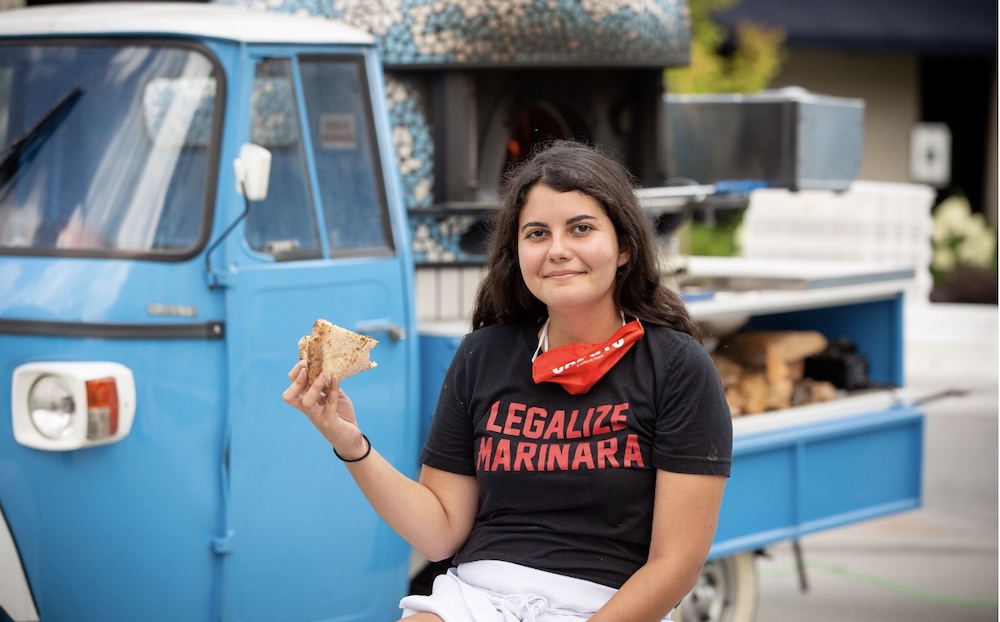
(764, 370)
(735, 401)
(811, 391)
(779, 394)
(729, 370)
(779, 353)
(753, 388)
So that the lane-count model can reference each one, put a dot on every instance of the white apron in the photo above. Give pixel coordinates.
(495, 591)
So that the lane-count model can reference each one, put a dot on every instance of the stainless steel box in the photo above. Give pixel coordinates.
(788, 138)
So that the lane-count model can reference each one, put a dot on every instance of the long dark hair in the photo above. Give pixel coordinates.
(565, 166)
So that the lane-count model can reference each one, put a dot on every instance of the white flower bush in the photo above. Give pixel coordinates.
(961, 237)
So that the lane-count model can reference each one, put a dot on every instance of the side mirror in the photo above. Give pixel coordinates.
(253, 171)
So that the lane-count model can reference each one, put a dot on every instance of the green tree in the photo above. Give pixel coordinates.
(749, 66)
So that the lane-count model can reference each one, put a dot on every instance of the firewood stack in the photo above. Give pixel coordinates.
(763, 370)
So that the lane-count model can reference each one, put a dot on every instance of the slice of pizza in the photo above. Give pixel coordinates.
(335, 350)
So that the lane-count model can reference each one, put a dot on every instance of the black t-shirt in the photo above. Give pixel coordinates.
(566, 481)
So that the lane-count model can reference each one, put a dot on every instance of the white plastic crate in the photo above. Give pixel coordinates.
(445, 293)
(951, 345)
(872, 221)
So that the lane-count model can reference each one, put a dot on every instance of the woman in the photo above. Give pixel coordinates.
(578, 455)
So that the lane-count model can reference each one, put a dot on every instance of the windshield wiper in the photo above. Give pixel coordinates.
(25, 146)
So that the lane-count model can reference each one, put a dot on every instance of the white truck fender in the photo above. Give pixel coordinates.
(15, 595)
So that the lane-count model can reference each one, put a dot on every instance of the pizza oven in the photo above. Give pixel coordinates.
(472, 91)
(473, 86)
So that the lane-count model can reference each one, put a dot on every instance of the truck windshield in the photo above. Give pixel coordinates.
(105, 149)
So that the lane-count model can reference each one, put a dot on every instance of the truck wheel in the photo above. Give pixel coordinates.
(726, 592)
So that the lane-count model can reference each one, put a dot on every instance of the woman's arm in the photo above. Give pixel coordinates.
(685, 514)
(434, 515)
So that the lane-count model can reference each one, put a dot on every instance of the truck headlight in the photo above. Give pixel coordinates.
(51, 406)
(61, 406)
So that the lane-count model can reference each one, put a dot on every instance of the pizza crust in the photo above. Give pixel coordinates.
(335, 350)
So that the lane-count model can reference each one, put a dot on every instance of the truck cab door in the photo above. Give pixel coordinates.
(301, 541)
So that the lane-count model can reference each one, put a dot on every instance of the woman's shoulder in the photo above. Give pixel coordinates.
(665, 334)
(498, 334)
(497, 331)
(673, 345)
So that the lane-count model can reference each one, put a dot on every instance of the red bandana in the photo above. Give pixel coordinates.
(578, 366)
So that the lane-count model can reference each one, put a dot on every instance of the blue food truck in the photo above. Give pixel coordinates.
(183, 190)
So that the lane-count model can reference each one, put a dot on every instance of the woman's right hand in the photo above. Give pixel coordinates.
(328, 408)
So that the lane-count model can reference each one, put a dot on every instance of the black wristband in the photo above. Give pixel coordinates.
(363, 456)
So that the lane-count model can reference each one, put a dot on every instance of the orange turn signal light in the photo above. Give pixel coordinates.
(102, 408)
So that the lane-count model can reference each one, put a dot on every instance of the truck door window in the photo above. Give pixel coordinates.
(342, 132)
(284, 224)
(105, 150)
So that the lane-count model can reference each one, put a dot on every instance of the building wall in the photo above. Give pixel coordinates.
(890, 86)
(990, 195)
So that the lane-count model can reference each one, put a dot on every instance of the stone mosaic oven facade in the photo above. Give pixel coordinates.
(473, 84)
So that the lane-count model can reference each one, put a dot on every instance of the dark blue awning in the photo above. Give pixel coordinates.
(924, 27)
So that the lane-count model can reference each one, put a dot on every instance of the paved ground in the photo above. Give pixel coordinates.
(929, 565)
